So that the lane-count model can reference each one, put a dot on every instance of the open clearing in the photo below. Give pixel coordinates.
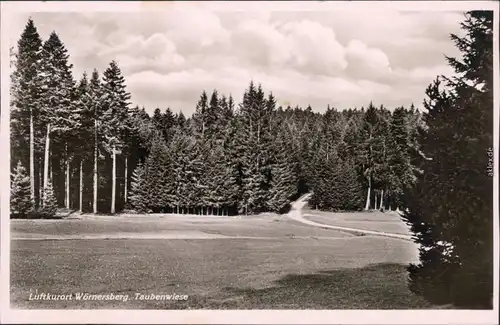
(258, 262)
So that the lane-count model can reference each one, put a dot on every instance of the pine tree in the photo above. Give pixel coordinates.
(58, 115)
(138, 192)
(178, 148)
(168, 121)
(157, 119)
(115, 102)
(49, 207)
(83, 148)
(25, 95)
(348, 188)
(450, 210)
(21, 204)
(403, 171)
(283, 184)
(255, 141)
(181, 120)
(200, 116)
(157, 170)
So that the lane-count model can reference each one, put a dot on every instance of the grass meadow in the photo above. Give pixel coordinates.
(257, 262)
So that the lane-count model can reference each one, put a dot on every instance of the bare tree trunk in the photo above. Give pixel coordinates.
(126, 180)
(113, 182)
(40, 183)
(67, 179)
(96, 157)
(375, 197)
(32, 157)
(80, 203)
(381, 199)
(46, 160)
(367, 205)
(51, 171)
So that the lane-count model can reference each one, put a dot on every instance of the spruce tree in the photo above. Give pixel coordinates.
(157, 170)
(138, 192)
(283, 179)
(25, 96)
(450, 210)
(200, 116)
(157, 119)
(49, 207)
(115, 114)
(58, 115)
(179, 148)
(21, 204)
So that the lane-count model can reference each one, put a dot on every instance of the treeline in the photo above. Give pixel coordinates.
(258, 157)
(85, 144)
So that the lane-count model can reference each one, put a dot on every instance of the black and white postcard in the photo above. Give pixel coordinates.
(249, 162)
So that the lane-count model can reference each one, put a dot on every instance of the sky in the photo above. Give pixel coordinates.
(314, 57)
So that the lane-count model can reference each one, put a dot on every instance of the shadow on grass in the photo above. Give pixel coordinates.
(380, 286)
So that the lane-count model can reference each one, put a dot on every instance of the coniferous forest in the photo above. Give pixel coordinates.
(79, 143)
(82, 137)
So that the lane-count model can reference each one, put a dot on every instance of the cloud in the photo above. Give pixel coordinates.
(367, 62)
(315, 56)
(315, 47)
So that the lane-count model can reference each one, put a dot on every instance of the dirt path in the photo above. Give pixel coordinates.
(296, 214)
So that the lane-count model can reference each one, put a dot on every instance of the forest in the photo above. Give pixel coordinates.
(84, 143)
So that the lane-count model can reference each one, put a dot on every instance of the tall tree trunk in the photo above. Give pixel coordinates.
(113, 182)
(32, 157)
(126, 180)
(40, 183)
(46, 160)
(367, 205)
(80, 203)
(67, 179)
(96, 157)
(381, 199)
(375, 197)
(51, 170)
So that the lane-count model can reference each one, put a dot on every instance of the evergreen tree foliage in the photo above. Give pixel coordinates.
(283, 184)
(115, 102)
(21, 204)
(25, 102)
(157, 170)
(138, 194)
(49, 208)
(450, 208)
(58, 113)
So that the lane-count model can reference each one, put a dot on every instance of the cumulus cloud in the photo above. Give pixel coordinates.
(367, 62)
(313, 56)
(315, 47)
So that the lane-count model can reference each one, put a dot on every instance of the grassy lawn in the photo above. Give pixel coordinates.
(376, 221)
(279, 265)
